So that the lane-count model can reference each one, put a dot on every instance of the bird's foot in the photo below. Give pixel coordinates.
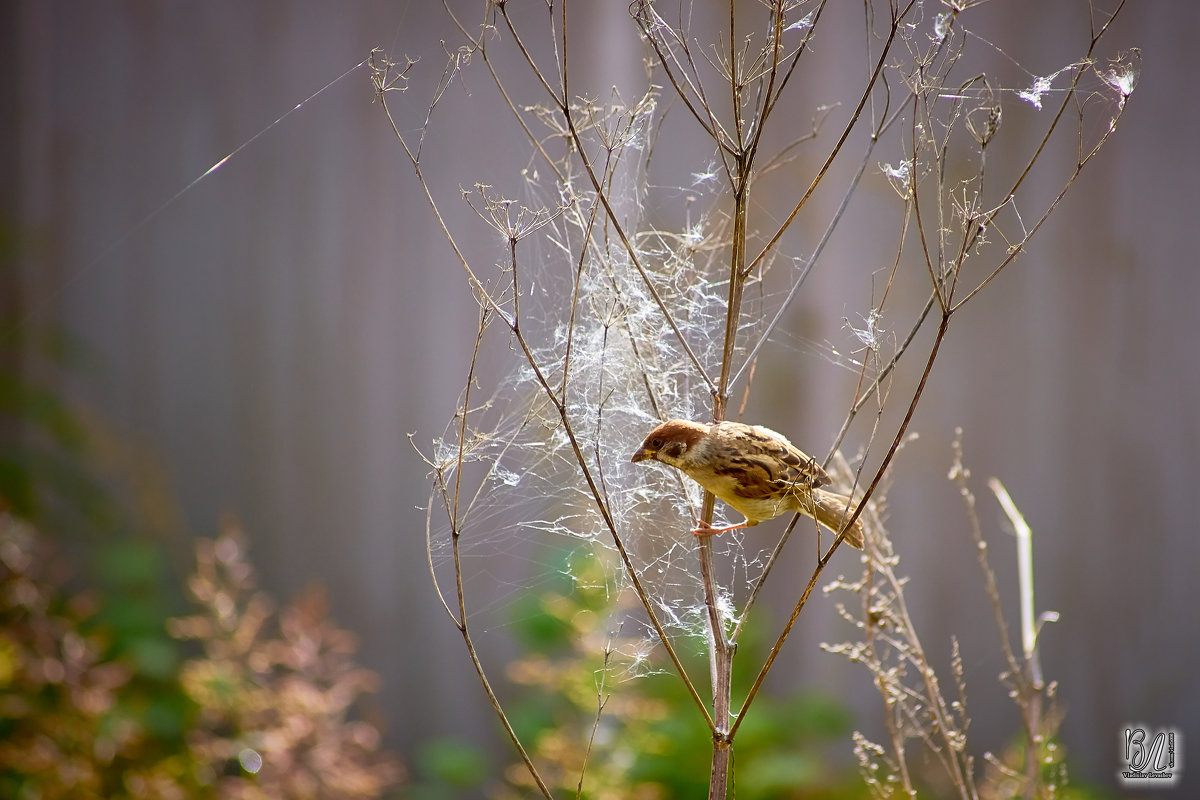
(704, 529)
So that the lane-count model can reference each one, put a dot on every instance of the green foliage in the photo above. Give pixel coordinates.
(63, 731)
(62, 471)
(39, 466)
(635, 733)
(449, 766)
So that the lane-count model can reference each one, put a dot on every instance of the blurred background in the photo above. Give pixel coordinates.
(261, 342)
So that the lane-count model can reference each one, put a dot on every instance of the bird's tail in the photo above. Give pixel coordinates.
(832, 511)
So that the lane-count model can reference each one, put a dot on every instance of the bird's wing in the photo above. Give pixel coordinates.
(780, 468)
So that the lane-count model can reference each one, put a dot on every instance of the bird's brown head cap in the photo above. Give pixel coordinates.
(672, 439)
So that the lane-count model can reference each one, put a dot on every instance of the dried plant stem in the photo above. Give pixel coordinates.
(721, 662)
(862, 504)
(1024, 537)
(513, 322)
(601, 702)
(586, 471)
(721, 673)
(758, 584)
(944, 210)
(1024, 672)
(1028, 677)
(877, 382)
(1070, 96)
(897, 18)
(455, 535)
(564, 107)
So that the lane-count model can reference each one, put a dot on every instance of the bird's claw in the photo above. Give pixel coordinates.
(704, 529)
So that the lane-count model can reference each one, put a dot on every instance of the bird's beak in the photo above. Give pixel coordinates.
(642, 454)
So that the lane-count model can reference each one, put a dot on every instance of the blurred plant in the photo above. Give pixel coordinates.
(63, 469)
(44, 473)
(60, 735)
(601, 727)
(274, 694)
(917, 708)
(264, 714)
(95, 701)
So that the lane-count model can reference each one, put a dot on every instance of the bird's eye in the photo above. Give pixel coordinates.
(655, 443)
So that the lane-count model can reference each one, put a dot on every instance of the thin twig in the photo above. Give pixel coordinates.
(463, 625)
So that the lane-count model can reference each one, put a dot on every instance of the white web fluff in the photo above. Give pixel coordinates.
(527, 514)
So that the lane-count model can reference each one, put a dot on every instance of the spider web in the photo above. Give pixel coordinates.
(542, 503)
(529, 502)
(528, 520)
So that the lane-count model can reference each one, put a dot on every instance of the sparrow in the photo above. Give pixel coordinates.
(753, 469)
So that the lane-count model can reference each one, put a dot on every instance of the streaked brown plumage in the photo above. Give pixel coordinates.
(752, 469)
